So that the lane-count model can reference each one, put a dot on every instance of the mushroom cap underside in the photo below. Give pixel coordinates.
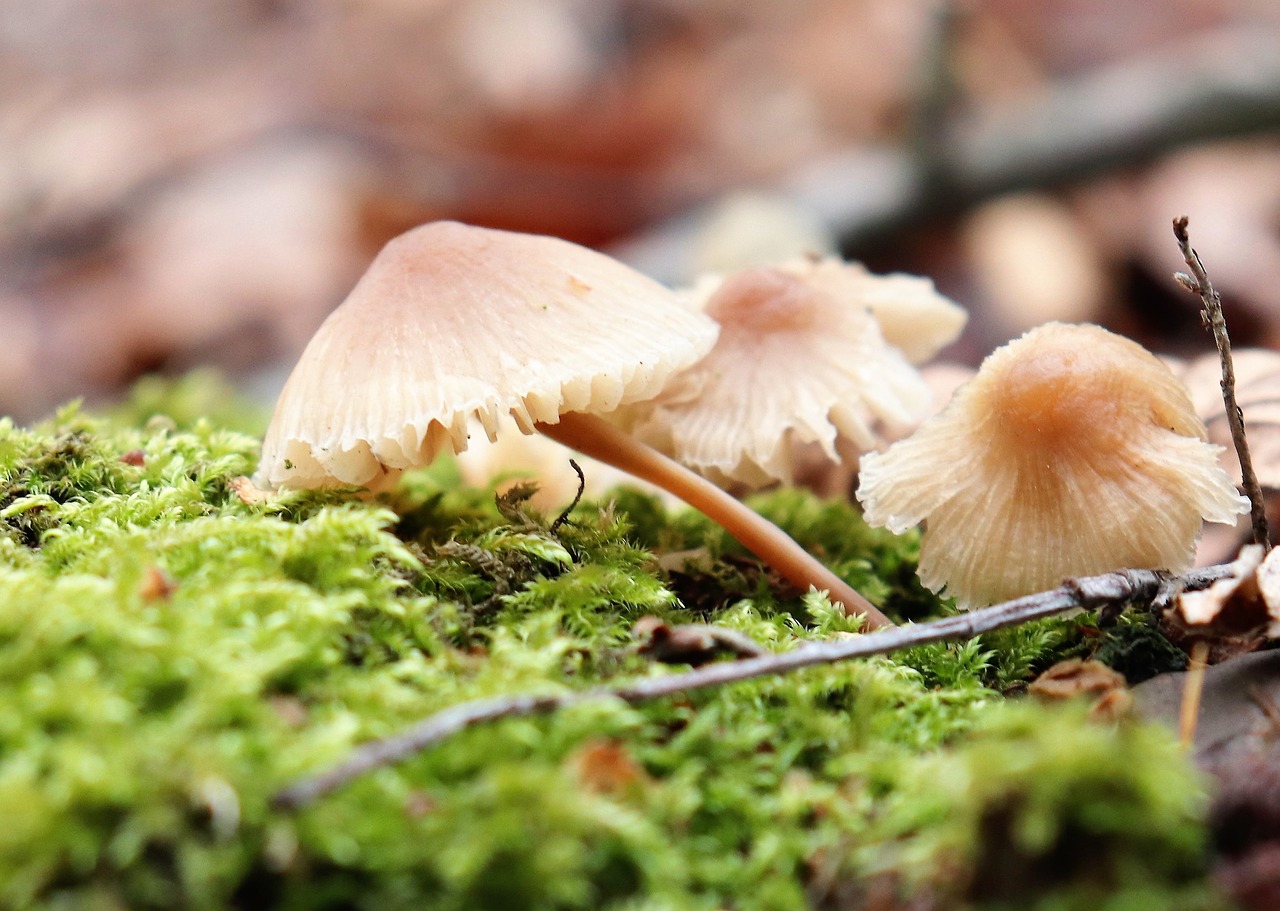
(454, 325)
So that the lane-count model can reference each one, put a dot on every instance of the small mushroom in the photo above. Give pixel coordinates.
(454, 324)
(747, 228)
(1072, 451)
(792, 365)
(912, 315)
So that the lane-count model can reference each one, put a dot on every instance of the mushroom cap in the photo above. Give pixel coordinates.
(913, 316)
(1073, 451)
(792, 365)
(453, 323)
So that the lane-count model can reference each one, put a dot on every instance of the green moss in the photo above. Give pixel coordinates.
(170, 656)
(1067, 814)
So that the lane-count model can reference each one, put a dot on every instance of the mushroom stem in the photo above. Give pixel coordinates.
(599, 439)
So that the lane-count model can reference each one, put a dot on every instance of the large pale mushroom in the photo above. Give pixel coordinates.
(454, 325)
(1072, 451)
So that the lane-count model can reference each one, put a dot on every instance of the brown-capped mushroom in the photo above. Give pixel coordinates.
(454, 324)
(793, 365)
(1072, 451)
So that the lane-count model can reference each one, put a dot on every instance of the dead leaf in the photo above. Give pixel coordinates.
(692, 643)
(1268, 581)
(1112, 706)
(1076, 677)
(1229, 608)
(1230, 706)
(606, 767)
(1257, 373)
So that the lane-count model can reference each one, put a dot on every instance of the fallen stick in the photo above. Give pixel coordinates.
(1198, 283)
(1110, 590)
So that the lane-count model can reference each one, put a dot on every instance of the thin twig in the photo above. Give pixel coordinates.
(1198, 283)
(1117, 588)
(577, 498)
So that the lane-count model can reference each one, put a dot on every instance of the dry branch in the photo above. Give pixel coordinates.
(1107, 591)
(1198, 283)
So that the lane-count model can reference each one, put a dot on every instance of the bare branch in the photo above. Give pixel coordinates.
(936, 91)
(1198, 282)
(1110, 590)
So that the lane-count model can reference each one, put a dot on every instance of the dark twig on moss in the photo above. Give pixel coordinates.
(1123, 587)
(577, 498)
(692, 643)
(1198, 283)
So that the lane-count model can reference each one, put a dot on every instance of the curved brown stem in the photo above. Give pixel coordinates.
(599, 439)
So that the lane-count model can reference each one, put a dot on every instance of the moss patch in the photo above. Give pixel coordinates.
(170, 656)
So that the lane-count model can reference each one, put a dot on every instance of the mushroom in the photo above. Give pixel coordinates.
(792, 365)
(1072, 451)
(913, 316)
(453, 323)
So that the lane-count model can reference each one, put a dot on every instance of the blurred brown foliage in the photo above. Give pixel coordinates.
(200, 181)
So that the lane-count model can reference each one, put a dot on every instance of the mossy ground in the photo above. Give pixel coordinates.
(170, 656)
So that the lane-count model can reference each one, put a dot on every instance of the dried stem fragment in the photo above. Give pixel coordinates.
(1146, 587)
(1213, 318)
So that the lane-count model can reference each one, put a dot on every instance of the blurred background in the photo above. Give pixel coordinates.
(199, 182)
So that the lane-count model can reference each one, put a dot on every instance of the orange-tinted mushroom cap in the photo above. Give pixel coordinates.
(792, 365)
(1072, 451)
(912, 315)
(453, 323)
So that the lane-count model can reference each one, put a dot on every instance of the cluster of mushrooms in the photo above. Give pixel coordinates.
(1072, 451)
